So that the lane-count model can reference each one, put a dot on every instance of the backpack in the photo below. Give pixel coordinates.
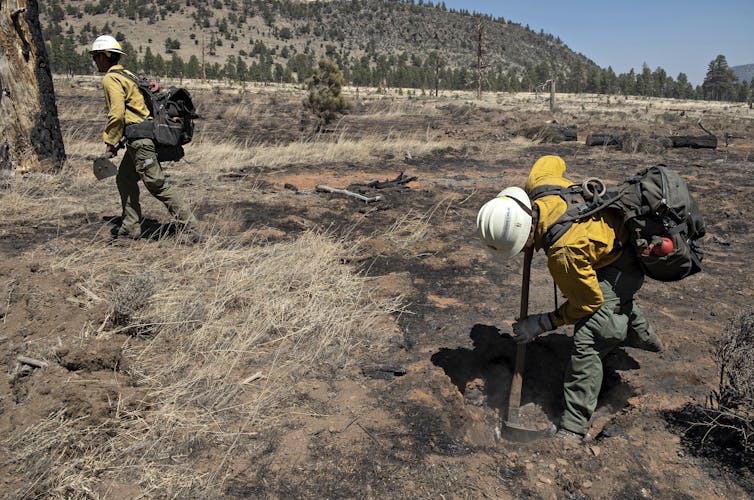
(656, 207)
(172, 122)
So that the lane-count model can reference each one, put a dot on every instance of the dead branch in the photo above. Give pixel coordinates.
(345, 192)
(256, 376)
(400, 180)
(702, 127)
(31, 362)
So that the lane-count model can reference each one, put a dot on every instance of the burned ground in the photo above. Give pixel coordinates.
(420, 415)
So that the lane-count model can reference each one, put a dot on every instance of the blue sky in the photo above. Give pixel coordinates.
(676, 35)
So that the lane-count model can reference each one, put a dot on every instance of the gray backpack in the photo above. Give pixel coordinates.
(663, 220)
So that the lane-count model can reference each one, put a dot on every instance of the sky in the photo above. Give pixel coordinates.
(676, 35)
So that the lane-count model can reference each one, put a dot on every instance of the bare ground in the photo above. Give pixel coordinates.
(418, 413)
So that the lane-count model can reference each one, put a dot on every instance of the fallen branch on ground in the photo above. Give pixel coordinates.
(31, 362)
(400, 180)
(345, 192)
(703, 128)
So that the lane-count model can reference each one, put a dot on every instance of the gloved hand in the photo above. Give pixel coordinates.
(527, 329)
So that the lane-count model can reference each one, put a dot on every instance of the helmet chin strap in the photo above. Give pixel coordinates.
(522, 205)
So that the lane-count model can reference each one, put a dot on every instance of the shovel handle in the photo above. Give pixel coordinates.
(514, 399)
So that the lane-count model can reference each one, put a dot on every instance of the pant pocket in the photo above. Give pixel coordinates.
(151, 174)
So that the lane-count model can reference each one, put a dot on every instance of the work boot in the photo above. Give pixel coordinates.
(564, 435)
(124, 233)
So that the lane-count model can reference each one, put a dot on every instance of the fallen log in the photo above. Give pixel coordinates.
(603, 140)
(568, 133)
(696, 142)
(549, 133)
(345, 192)
(676, 141)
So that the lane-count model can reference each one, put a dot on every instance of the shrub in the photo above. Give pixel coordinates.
(724, 425)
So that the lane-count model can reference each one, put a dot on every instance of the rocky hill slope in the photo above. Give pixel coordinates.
(744, 73)
(368, 32)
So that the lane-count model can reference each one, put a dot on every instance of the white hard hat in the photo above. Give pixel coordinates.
(504, 222)
(106, 43)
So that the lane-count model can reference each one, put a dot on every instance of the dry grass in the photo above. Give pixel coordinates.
(223, 332)
(316, 151)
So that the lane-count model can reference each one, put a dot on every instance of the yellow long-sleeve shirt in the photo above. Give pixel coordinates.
(574, 258)
(125, 104)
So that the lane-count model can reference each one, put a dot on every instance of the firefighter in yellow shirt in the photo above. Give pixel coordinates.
(593, 269)
(126, 106)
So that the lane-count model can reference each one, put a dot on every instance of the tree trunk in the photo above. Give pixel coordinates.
(552, 94)
(480, 66)
(30, 137)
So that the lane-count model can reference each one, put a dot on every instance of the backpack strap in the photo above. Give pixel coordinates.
(578, 206)
(147, 103)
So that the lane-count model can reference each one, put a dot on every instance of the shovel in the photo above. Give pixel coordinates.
(513, 429)
(103, 167)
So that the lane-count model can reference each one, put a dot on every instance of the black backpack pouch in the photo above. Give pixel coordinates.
(168, 130)
(169, 153)
(143, 130)
(683, 261)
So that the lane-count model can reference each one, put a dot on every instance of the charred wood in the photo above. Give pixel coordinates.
(696, 142)
(603, 140)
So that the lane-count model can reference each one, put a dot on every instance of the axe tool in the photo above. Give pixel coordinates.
(103, 167)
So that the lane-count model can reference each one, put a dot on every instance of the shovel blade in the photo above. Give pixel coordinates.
(517, 433)
(104, 168)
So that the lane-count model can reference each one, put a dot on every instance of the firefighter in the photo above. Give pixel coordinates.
(126, 106)
(596, 270)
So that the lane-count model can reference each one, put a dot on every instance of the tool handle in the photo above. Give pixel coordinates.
(514, 399)
(120, 145)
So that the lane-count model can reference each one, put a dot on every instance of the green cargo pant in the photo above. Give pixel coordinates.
(597, 334)
(140, 163)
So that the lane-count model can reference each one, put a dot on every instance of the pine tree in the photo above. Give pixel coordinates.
(719, 84)
(325, 100)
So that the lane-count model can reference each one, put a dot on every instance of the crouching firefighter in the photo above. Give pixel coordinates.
(594, 268)
(126, 107)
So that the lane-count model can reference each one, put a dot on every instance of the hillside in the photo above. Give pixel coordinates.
(364, 36)
(744, 73)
